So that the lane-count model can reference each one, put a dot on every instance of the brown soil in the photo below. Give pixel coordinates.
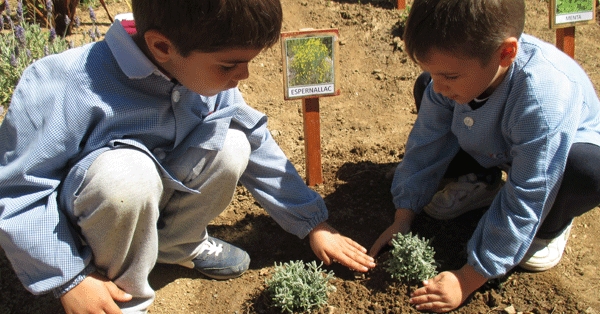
(363, 132)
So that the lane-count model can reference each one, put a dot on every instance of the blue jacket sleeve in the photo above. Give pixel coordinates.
(430, 147)
(274, 181)
(541, 129)
(35, 147)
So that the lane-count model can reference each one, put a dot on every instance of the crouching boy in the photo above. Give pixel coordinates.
(117, 155)
(492, 98)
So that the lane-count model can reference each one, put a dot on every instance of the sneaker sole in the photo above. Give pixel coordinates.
(234, 274)
(455, 214)
(538, 267)
(473, 206)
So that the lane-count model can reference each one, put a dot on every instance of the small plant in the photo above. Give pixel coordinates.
(299, 287)
(411, 258)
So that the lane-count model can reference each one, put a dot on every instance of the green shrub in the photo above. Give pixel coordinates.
(299, 287)
(311, 61)
(22, 42)
(412, 258)
(21, 47)
(573, 6)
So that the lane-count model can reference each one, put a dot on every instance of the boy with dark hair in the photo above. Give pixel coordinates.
(118, 154)
(493, 98)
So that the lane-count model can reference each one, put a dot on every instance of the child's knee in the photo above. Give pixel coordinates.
(123, 180)
(235, 153)
(582, 171)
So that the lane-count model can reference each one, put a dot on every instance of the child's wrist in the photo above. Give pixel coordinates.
(470, 280)
(403, 219)
(404, 214)
(62, 290)
(323, 226)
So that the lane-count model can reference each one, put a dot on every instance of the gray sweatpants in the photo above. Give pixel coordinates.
(122, 199)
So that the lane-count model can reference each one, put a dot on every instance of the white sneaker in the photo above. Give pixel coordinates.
(544, 254)
(459, 197)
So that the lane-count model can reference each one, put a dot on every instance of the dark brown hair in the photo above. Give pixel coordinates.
(467, 28)
(211, 25)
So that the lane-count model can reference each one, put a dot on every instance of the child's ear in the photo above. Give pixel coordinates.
(508, 51)
(159, 46)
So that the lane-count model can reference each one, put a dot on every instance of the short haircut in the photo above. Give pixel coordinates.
(211, 25)
(471, 29)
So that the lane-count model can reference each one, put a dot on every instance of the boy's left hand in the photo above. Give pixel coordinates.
(330, 246)
(448, 290)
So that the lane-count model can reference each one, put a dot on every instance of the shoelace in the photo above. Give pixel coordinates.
(211, 247)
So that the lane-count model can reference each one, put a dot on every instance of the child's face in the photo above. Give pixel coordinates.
(208, 73)
(462, 80)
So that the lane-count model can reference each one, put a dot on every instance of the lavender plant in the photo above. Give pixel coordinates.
(412, 258)
(299, 287)
(23, 42)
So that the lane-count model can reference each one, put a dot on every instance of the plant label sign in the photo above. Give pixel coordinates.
(568, 13)
(310, 63)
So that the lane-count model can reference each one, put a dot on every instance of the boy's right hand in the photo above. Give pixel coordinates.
(402, 222)
(95, 294)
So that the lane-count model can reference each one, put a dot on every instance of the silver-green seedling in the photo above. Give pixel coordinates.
(299, 287)
(412, 258)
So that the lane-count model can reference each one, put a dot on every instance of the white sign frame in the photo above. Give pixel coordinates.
(560, 19)
(321, 79)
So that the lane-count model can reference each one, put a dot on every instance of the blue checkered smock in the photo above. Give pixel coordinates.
(545, 103)
(71, 107)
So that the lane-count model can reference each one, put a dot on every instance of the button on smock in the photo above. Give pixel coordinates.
(175, 96)
(468, 121)
(159, 153)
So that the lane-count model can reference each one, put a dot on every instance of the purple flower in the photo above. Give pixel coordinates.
(7, 8)
(28, 54)
(20, 11)
(20, 35)
(92, 34)
(67, 20)
(92, 14)
(13, 60)
(46, 51)
(52, 35)
(77, 21)
(1, 22)
(49, 6)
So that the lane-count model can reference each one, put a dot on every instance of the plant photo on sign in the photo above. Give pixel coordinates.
(573, 6)
(412, 258)
(310, 60)
(299, 287)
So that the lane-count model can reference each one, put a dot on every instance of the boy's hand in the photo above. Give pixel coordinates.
(448, 290)
(402, 221)
(95, 294)
(330, 246)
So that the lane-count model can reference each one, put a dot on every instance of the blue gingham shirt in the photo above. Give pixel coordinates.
(544, 104)
(71, 107)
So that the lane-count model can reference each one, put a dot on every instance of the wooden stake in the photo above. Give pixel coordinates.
(401, 4)
(565, 40)
(312, 141)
